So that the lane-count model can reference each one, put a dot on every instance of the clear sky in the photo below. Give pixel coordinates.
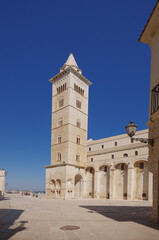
(37, 37)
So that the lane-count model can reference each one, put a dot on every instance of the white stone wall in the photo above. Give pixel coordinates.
(2, 183)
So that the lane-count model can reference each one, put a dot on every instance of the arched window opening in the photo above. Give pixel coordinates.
(63, 87)
(112, 156)
(115, 144)
(59, 157)
(91, 159)
(59, 139)
(89, 149)
(102, 146)
(125, 155)
(136, 153)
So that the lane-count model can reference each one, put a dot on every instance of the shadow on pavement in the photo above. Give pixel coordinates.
(7, 219)
(141, 215)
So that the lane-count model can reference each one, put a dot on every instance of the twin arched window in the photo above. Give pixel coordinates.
(61, 102)
(78, 140)
(59, 139)
(59, 156)
(77, 157)
(60, 122)
(78, 123)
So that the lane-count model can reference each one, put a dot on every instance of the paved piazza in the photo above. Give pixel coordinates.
(26, 218)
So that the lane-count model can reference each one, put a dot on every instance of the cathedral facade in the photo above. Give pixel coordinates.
(110, 168)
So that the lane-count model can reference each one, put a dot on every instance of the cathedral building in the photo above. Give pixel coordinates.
(110, 168)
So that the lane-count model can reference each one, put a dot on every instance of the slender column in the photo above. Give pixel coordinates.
(97, 184)
(150, 197)
(112, 183)
(85, 185)
(130, 182)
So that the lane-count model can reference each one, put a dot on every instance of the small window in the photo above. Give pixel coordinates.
(60, 122)
(78, 104)
(77, 157)
(78, 124)
(144, 195)
(59, 139)
(125, 155)
(141, 165)
(102, 146)
(112, 156)
(89, 149)
(61, 102)
(115, 144)
(136, 153)
(122, 166)
(59, 157)
(132, 140)
(78, 140)
(105, 169)
(91, 159)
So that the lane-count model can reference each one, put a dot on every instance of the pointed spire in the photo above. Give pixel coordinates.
(71, 62)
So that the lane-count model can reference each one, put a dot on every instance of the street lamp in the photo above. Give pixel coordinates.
(131, 130)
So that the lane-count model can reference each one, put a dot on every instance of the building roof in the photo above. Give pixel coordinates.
(148, 21)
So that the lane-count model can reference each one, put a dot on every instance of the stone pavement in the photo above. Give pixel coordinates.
(24, 218)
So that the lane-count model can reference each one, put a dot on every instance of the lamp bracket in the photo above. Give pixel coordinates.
(145, 140)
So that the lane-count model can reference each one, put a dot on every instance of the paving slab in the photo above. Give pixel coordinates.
(26, 218)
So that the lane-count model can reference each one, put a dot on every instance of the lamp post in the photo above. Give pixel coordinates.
(131, 130)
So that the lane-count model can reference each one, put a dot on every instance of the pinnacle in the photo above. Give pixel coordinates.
(71, 61)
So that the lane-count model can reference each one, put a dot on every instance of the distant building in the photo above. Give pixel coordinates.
(2, 183)
(112, 168)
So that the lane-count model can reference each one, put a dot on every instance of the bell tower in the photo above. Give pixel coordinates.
(69, 120)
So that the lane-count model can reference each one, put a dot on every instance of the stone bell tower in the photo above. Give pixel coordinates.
(69, 128)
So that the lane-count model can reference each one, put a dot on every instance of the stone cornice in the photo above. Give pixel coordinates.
(68, 70)
(64, 164)
(117, 149)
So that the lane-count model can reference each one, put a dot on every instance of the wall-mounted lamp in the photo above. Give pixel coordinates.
(131, 130)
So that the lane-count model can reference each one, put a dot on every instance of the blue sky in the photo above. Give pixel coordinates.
(36, 39)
